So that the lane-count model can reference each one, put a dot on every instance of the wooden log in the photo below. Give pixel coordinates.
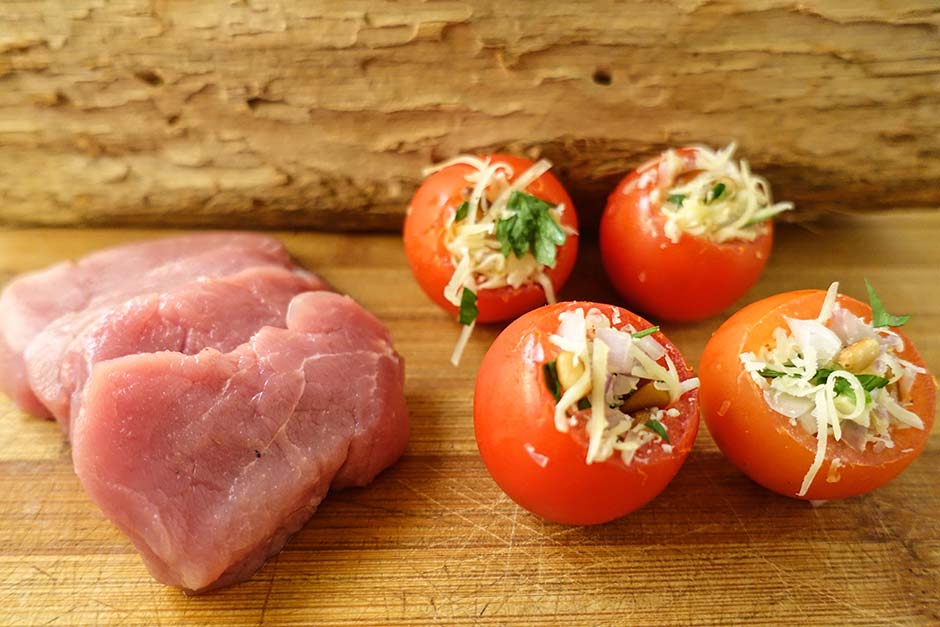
(282, 113)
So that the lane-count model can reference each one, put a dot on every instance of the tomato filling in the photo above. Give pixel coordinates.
(709, 195)
(615, 382)
(499, 236)
(840, 376)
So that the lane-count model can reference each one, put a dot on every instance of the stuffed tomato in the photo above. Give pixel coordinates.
(688, 233)
(584, 412)
(489, 238)
(816, 395)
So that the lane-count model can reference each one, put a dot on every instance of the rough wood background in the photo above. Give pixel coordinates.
(435, 542)
(286, 113)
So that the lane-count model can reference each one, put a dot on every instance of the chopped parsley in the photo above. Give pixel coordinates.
(531, 227)
(468, 307)
(869, 382)
(715, 193)
(551, 380)
(879, 315)
(645, 332)
(842, 387)
(462, 211)
(676, 199)
(821, 375)
(657, 426)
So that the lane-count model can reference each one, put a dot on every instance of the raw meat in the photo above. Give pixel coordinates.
(219, 313)
(209, 462)
(30, 303)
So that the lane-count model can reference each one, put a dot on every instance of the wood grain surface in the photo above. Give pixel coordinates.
(434, 541)
(295, 113)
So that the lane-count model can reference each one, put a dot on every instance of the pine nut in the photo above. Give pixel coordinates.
(858, 356)
(645, 397)
(569, 369)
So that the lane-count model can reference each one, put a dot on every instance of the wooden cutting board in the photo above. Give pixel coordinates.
(434, 541)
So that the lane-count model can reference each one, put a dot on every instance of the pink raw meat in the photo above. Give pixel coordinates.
(219, 313)
(210, 462)
(33, 301)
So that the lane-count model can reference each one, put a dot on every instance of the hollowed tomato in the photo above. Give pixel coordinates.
(543, 469)
(433, 205)
(687, 280)
(767, 446)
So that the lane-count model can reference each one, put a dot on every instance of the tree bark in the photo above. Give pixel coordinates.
(268, 113)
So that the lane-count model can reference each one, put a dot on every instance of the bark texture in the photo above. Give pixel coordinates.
(285, 113)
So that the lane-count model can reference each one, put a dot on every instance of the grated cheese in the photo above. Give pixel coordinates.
(738, 213)
(819, 408)
(598, 422)
(465, 332)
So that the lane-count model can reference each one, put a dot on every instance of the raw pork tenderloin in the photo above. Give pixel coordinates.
(32, 302)
(219, 313)
(209, 462)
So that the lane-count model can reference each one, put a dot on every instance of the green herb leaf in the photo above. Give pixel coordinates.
(551, 380)
(584, 404)
(715, 193)
(658, 427)
(676, 199)
(821, 375)
(645, 332)
(869, 382)
(550, 237)
(844, 388)
(503, 230)
(468, 307)
(879, 315)
(530, 228)
(462, 211)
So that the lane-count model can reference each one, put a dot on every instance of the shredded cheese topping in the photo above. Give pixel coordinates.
(837, 375)
(615, 365)
(476, 253)
(724, 201)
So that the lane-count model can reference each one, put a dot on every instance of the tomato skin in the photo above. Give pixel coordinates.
(544, 470)
(685, 281)
(437, 199)
(761, 442)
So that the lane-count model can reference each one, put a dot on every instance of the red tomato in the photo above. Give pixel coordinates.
(433, 205)
(691, 279)
(544, 470)
(763, 443)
